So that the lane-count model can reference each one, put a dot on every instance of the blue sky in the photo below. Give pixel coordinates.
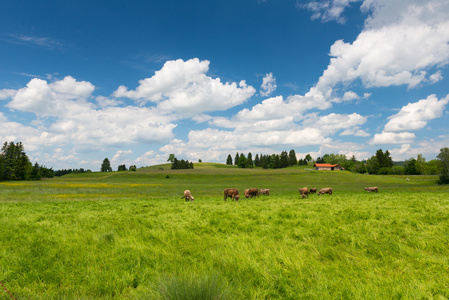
(135, 81)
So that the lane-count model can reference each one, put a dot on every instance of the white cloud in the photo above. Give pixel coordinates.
(277, 107)
(70, 89)
(428, 148)
(436, 77)
(392, 138)
(30, 40)
(350, 95)
(120, 154)
(105, 102)
(385, 12)
(415, 115)
(330, 10)
(7, 93)
(53, 99)
(214, 145)
(268, 85)
(332, 123)
(183, 87)
(151, 158)
(401, 43)
(405, 148)
(75, 121)
(384, 57)
(355, 131)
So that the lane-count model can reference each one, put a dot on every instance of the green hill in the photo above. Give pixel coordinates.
(129, 235)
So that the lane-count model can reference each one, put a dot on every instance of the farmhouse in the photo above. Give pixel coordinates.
(327, 167)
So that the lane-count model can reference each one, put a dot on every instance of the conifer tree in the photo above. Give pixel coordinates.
(292, 160)
(229, 160)
(249, 161)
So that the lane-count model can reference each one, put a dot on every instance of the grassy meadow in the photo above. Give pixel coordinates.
(129, 235)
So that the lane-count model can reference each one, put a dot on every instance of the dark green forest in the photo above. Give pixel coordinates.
(16, 165)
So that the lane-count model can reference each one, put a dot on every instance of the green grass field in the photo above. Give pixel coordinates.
(129, 235)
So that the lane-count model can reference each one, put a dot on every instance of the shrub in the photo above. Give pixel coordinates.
(443, 179)
(384, 171)
(194, 288)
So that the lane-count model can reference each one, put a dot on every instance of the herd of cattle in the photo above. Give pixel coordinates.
(253, 192)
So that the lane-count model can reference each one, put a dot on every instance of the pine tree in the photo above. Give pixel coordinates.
(292, 160)
(35, 172)
(249, 161)
(411, 168)
(242, 161)
(236, 159)
(229, 160)
(15, 163)
(283, 160)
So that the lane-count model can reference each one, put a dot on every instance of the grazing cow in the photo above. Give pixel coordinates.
(312, 190)
(188, 196)
(251, 192)
(304, 192)
(372, 189)
(264, 192)
(325, 191)
(232, 193)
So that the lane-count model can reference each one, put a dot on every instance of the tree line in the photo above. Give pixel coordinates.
(273, 161)
(70, 171)
(379, 164)
(16, 165)
(106, 167)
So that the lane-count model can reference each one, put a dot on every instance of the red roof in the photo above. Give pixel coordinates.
(325, 165)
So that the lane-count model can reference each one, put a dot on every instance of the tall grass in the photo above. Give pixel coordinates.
(130, 235)
(194, 288)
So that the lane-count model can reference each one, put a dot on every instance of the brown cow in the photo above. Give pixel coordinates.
(251, 192)
(304, 192)
(372, 189)
(312, 190)
(325, 191)
(264, 192)
(188, 196)
(232, 193)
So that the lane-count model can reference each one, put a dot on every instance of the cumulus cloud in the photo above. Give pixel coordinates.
(393, 49)
(14, 131)
(214, 144)
(268, 85)
(384, 57)
(151, 158)
(393, 138)
(416, 115)
(53, 99)
(258, 133)
(7, 93)
(75, 121)
(183, 87)
(105, 102)
(428, 148)
(332, 123)
(120, 154)
(277, 107)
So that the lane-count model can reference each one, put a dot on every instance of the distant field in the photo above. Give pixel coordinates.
(129, 235)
